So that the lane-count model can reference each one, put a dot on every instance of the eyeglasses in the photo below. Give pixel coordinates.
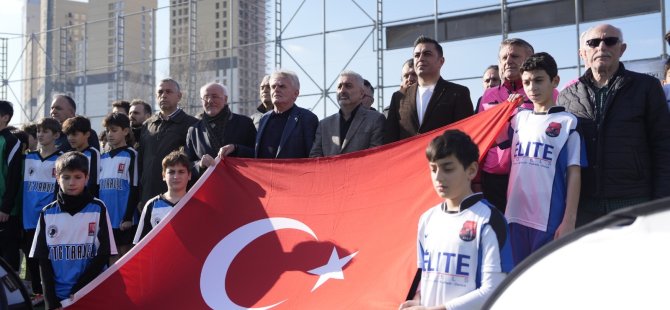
(609, 41)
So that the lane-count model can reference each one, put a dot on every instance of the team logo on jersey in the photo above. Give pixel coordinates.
(468, 231)
(155, 220)
(121, 168)
(91, 229)
(553, 130)
(52, 231)
(31, 171)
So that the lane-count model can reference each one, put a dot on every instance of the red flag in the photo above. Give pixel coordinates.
(326, 233)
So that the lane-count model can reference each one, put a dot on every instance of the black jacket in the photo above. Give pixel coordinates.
(158, 138)
(240, 130)
(629, 151)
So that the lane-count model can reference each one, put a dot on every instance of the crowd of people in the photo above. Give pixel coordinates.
(74, 201)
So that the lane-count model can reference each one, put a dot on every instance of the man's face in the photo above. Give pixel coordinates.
(450, 179)
(176, 177)
(78, 140)
(368, 98)
(408, 76)
(137, 115)
(61, 109)
(284, 93)
(490, 79)
(213, 100)
(599, 54)
(168, 96)
(510, 59)
(349, 92)
(46, 136)
(72, 182)
(116, 136)
(119, 110)
(264, 90)
(427, 62)
(539, 87)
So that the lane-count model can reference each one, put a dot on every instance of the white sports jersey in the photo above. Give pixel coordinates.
(455, 249)
(543, 147)
(39, 185)
(153, 213)
(118, 183)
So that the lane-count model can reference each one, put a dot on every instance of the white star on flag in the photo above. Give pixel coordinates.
(332, 269)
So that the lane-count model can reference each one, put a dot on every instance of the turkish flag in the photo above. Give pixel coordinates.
(328, 233)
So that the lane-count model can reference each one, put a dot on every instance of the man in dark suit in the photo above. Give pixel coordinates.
(355, 127)
(217, 127)
(430, 103)
(288, 130)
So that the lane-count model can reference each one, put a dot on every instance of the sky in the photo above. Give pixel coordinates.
(465, 60)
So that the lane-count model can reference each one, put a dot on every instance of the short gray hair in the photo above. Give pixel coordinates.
(289, 74)
(169, 79)
(223, 87)
(356, 76)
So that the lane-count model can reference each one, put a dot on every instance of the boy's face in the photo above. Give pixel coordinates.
(78, 140)
(539, 86)
(46, 136)
(176, 177)
(450, 179)
(72, 182)
(116, 136)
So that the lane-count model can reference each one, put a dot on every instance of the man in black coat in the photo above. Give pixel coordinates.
(624, 119)
(217, 127)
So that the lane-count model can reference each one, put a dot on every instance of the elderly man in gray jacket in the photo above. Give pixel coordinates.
(351, 129)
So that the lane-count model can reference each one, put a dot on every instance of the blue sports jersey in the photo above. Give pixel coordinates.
(118, 183)
(153, 213)
(544, 145)
(39, 185)
(93, 156)
(71, 242)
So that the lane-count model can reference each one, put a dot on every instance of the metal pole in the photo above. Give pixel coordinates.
(85, 78)
(503, 18)
(435, 23)
(579, 42)
(665, 47)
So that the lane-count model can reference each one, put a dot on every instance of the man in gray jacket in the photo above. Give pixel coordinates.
(354, 127)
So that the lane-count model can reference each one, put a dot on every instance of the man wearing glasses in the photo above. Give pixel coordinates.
(624, 120)
(217, 127)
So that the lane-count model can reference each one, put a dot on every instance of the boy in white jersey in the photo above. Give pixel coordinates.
(176, 174)
(547, 156)
(463, 251)
(73, 240)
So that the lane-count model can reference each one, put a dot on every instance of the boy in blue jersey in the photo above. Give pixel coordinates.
(119, 179)
(463, 252)
(78, 131)
(10, 174)
(39, 188)
(74, 240)
(547, 150)
(176, 174)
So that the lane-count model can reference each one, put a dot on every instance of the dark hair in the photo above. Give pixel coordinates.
(120, 120)
(125, 105)
(424, 40)
(50, 124)
(72, 161)
(176, 158)
(171, 80)
(540, 61)
(6, 109)
(453, 142)
(494, 67)
(518, 42)
(367, 84)
(77, 123)
(30, 129)
(69, 100)
(147, 107)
